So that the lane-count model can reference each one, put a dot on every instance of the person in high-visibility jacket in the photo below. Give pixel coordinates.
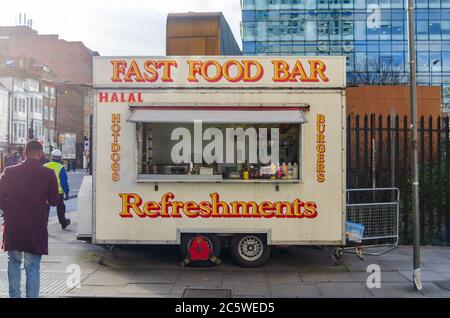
(63, 186)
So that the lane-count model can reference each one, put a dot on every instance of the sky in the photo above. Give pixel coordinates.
(113, 27)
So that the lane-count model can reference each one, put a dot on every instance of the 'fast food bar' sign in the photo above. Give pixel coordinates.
(213, 71)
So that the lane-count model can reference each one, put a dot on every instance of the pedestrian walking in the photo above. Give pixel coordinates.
(26, 190)
(20, 155)
(10, 160)
(63, 186)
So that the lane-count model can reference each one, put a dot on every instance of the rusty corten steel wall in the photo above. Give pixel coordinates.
(382, 99)
(199, 34)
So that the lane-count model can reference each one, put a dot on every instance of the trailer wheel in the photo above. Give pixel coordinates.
(249, 250)
(213, 243)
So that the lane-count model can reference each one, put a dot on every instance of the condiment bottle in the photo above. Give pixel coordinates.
(284, 171)
(290, 171)
(279, 172)
(295, 171)
(245, 173)
(273, 170)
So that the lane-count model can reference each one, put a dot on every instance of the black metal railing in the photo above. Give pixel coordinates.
(379, 155)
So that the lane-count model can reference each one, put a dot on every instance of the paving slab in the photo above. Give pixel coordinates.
(294, 291)
(388, 264)
(427, 276)
(251, 289)
(108, 277)
(245, 276)
(343, 290)
(178, 289)
(431, 290)
(355, 264)
(147, 289)
(314, 277)
(289, 277)
(158, 276)
(331, 277)
(446, 275)
(395, 290)
(91, 291)
(385, 276)
(205, 278)
(439, 267)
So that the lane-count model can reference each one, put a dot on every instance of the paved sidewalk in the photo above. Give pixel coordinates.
(154, 271)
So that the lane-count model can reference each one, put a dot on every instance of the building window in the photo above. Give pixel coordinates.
(46, 91)
(45, 112)
(422, 30)
(19, 130)
(22, 130)
(37, 126)
(38, 106)
(52, 93)
(19, 104)
(446, 30)
(435, 30)
(52, 113)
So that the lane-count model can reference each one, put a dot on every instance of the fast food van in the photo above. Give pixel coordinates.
(200, 150)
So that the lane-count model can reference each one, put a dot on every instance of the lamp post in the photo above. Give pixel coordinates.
(431, 70)
(415, 166)
(10, 116)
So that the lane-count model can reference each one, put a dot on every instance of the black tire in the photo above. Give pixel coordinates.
(261, 256)
(184, 248)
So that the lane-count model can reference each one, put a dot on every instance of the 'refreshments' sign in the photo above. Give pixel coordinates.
(168, 207)
(213, 71)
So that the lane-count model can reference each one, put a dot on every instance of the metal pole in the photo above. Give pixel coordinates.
(10, 115)
(415, 167)
(393, 154)
(374, 169)
(431, 74)
(91, 139)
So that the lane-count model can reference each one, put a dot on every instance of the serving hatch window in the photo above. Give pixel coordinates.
(217, 151)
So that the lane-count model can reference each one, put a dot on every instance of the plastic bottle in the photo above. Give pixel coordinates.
(290, 171)
(295, 171)
(279, 172)
(284, 172)
(273, 171)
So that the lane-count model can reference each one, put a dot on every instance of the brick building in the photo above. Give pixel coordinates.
(26, 104)
(70, 120)
(71, 61)
(48, 90)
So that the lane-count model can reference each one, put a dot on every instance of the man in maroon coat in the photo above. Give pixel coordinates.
(26, 190)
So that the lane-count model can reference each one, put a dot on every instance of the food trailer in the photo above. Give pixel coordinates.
(199, 150)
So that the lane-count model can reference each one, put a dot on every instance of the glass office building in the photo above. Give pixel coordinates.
(371, 33)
